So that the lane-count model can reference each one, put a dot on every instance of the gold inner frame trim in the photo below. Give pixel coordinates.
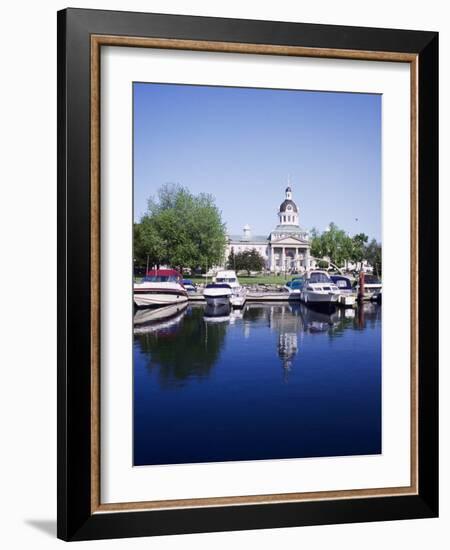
(97, 41)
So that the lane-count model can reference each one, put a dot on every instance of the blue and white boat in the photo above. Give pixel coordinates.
(295, 288)
(347, 294)
(189, 286)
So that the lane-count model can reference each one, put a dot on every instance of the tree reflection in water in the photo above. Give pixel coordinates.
(187, 349)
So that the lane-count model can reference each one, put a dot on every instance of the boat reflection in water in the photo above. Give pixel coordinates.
(208, 384)
(149, 320)
(218, 313)
(316, 320)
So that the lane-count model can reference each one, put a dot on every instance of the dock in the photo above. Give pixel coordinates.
(196, 297)
(270, 296)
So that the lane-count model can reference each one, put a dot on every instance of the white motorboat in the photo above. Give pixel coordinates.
(319, 289)
(238, 292)
(347, 294)
(160, 287)
(217, 294)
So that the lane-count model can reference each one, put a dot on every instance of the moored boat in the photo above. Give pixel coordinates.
(160, 287)
(217, 294)
(295, 287)
(319, 289)
(189, 286)
(238, 292)
(372, 287)
(347, 294)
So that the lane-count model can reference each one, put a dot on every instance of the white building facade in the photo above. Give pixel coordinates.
(286, 249)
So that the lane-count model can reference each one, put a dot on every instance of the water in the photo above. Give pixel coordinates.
(271, 381)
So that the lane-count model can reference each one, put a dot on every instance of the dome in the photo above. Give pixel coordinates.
(284, 205)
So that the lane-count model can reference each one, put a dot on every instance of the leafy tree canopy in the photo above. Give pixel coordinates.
(247, 260)
(373, 256)
(181, 230)
(339, 247)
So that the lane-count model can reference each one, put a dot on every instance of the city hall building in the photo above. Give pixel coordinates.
(286, 249)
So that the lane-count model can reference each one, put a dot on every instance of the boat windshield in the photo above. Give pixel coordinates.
(213, 285)
(341, 282)
(225, 280)
(160, 279)
(319, 278)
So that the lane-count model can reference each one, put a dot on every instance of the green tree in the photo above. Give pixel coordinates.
(333, 243)
(249, 260)
(231, 263)
(149, 248)
(181, 230)
(316, 243)
(374, 256)
(323, 264)
(358, 253)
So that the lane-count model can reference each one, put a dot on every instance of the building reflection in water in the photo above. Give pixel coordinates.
(283, 319)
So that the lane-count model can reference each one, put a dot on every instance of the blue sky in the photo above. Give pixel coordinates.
(240, 145)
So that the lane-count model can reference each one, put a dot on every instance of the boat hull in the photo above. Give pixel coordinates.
(217, 301)
(154, 298)
(216, 296)
(295, 294)
(319, 298)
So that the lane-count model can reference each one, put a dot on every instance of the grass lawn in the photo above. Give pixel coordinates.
(253, 280)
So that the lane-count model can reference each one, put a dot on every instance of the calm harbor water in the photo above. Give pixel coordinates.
(270, 381)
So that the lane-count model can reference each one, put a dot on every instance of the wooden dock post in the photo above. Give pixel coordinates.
(361, 286)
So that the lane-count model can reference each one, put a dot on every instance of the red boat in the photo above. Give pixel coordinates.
(160, 287)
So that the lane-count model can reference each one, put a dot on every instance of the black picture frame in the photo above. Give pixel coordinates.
(75, 518)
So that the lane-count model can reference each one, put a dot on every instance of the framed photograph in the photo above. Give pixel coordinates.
(248, 297)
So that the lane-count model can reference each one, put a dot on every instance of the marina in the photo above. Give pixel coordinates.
(346, 296)
(257, 317)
